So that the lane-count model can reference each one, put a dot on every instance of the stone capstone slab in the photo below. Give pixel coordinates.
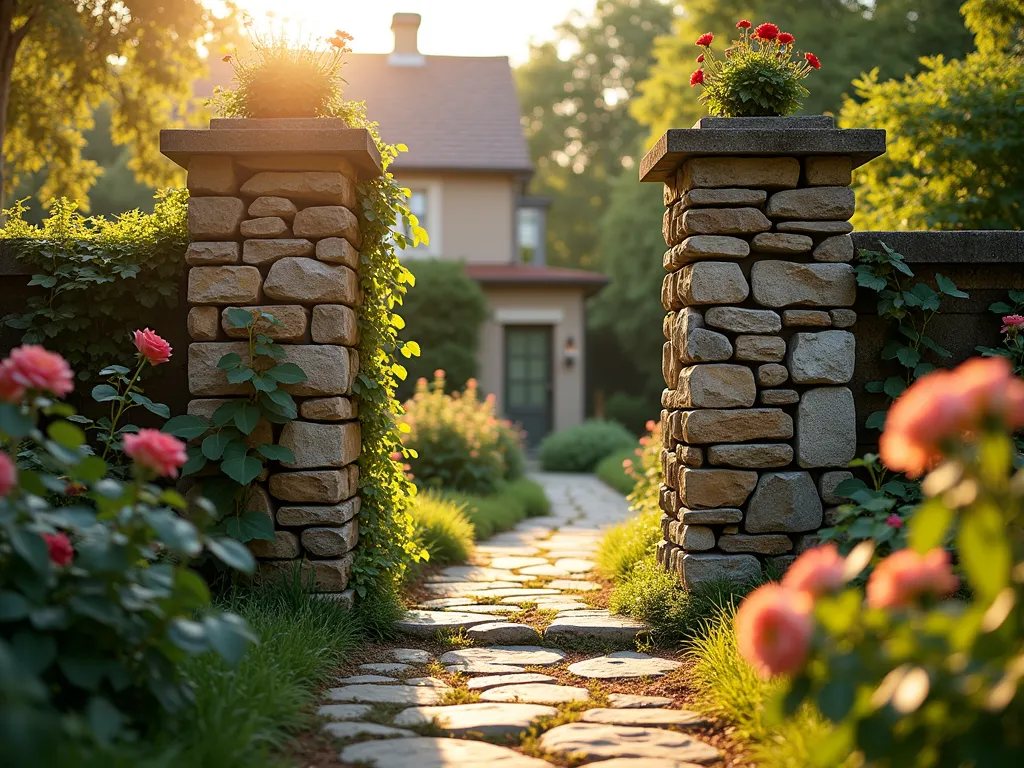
(294, 322)
(486, 719)
(211, 175)
(327, 221)
(785, 283)
(326, 368)
(321, 445)
(737, 320)
(637, 701)
(385, 694)
(311, 281)
(762, 172)
(223, 285)
(623, 664)
(536, 693)
(782, 242)
(656, 717)
(600, 626)
(263, 252)
(309, 514)
(503, 632)
(493, 681)
(784, 502)
(593, 741)
(520, 655)
(212, 254)
(826, 357)
(751, 456)
(826, 428)
(713, 282)
(727, 426)
(215, 218)
(431, 752)
(716, 386)
(308, 186)
(323, 486)
(428, 623)
(708, 567)
(708, 488)
(812, 204)
(724, 221)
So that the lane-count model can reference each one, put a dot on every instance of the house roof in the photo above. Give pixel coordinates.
(534, 275)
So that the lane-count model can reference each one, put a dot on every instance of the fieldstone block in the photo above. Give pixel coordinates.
(828, 171)
(328, 409)
(223, 285)
(323, 486)
(753, 456)
(760, 172)
(689, 456)
(696, 344)
(327, 221)
(669, 297)
(782, 242)
(838, 248)
(710, 516)
(827, 357)
(326, 575)
(724, 221)
(321, 445)
(703, 568)
(784, 502)
(215, 218)
(269, 226)
(294, 322)
(826, 428)
(331, 542)
(285, 546)
(737, 320)
(827, 484)
(695, 538)
(699, 247)
(716, 386)
(337, 250)
(785, 283)
(311, 281)
(212, 254)
(806, 317)
(735, 426)
(326, 367)
(713, 282)
(697, 198)
(843, 318)
(309, 514)
(335, 324)
(812, 204)
(772, 375)
(263, 252)
(708, 488)
(766, 544)
(815, 227)
(779, 396)
(667, 226)
(771, 349)
(211, 175)
(669, 365)
(326, 187)
(202, 323)
(273, 206)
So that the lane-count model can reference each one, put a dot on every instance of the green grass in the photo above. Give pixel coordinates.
(442, 527)
(629, 542)
(501, 511)
(610, 471)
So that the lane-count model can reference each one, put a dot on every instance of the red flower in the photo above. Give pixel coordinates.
(152, 347)
(705, 39)
(786, 39)
(1012, 323)
(697, 77)
(8, 474)
(766, 32)
(700, 59)
(812, 60)
(59, 545)
(894, 521)
(743, 24)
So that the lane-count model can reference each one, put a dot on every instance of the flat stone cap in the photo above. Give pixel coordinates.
(309, 143)
(796, 136)
(964, 246)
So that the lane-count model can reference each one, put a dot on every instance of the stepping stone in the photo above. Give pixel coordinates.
(466, 588)
(536, 693)
(470, 573)
(635, 701)
(493, 681)
(513, 563)
(645, 762)
(343, 711)
(385, 694)
(445, 602)
(504, 632)
(495, 610)
(543, 570)
(591, 741)
(427, 682)
(483, 718)
(428, 752)
(622, 664)
(614, 629)
(571, 554)
(520, 655)
(356, 679)
(654, 718)
(410, 655)
(505, 551)
(575, 565)
(512, 592)
(483, 668)
(387, 666)
(427, 623)
(356, 730)
(574, 585)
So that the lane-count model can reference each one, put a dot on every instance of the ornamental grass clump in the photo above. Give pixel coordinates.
(758, 77)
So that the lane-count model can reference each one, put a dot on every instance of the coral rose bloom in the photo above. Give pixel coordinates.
(32, 367)
(773, 629)
(904, 576)
(8, 474)
(10, 390)
(1012, 323)
(60, 549)
(152, 347)
(817, 571)
(160, 453)
(766, 32)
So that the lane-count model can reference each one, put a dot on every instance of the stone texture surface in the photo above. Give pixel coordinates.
(727, 426)
(203, 323)
(411, 655)
(321, 445)
(695, 538)
(708, 488)
(212, 254)
(784, 284)
(504, 632)
(657, 717)
(309, 186)
(335, 324)
(592, 741)
(268, 226)
(828, 171)
(522, 655)
(782, 242)
(770, 349)
(294, 322)
(738, 320)
(806, 317)
(704, 567)
(354, 730)
(622, 665)
(724, 221)
(273, 206)
(264, 252)
(215, 218)
(713, 282)
(815, 227)
(327, 221)
(284, 546)
(636, 701)
(751, 456)
(428, 623)
(716, 386)
(826, 428)
(327, 369)
(693, 343)
(211, 175)
(328, 409)
(843, 318)
(223, 285)
(343, 711)
(784, 502)
(826, 357)
(337, 250)
(493, 681)
(486, 719)
(772, 375)
(761, 172)
(331, 542)
(599, 625)
(767, 544)
(835, 248)
(431, 752)
(384, 694)
(325, 575)
(310, 514)
(536, 693)
(311, 281)
(710, 516)
(779, 396)
(325, 486)
(827, 484)
(723, 197)
(701, 247)
(812, 204)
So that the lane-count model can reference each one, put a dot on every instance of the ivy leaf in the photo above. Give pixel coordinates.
(230, 360)
(240, 375)
(115, 370)
(105, 720)
(185, 427)
(196, 461)
(31, 548)
(103, 393)
(287, 373)
(247, 417)
(1000, 308)
(876, 420)
(264, 384)
(908, 357)
(948, 287)
(894, 386)
(158, 408)
(413, 348)
(250, 525)
(237, 317)
(242, 469)
(874, 387)
(214, 445)
(278, 453)
(226, 412)
(233, 554)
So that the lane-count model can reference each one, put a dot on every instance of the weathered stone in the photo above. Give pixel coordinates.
(285, 546)
(689, 456)
(343, 711)
(784, 283)
(712, 282)
(309, 186)
(728, 426)
(263, 252)
(668, 226)
(269, 226)
(202, 323)
(331, 542)
(669, 295)
(646, 717)
(708, 488)
(695, 538)
(826, 428)
(536, 693)
(835, 248)
(770, 349)
(311, 281)
(325, 486)
(697, 569)
(784, 502)
(806, 317)
(669, 365)
(272, 206)
(710, 516)
(592, 742)
(636, 701)
(428, 623)
(347, 731)
(695, 344)
(308, 514)
(816, 227)
(772, 375)
(223, 285)
(335, 324)
(328, 409)
(324, 575)
(522, 655)
(827, 484)
(493, 681)
(622, 665)
(767, 544)
(504, 632)
(716, 386)
(294, 319)
(211, 175)
(827, 357)
(843, 318)
(782, 242)
(724, 221)
(321, 445)
(212, 254)
(385, 694)
(595, 625)
(485, 719)
(337, 250)
(411, 655)
(696, 198)
(215, 218)
(326, 368)
(758, 172)
(779, 396)
(327, 221)
(700, 247)
(812, 204)
(575, 564)
(433, 752)
(828, 171)
(751, 456)
(574, 585)
(737, 320)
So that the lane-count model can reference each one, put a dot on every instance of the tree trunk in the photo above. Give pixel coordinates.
(10, 39)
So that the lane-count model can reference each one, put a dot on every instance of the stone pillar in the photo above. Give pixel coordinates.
(759, 421)
(273, 227)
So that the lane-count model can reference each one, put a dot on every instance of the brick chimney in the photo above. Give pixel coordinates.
(406, 27)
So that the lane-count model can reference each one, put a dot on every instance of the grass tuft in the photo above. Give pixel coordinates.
(454, 639)
(610, 471)
(627, 543)
(442, 527)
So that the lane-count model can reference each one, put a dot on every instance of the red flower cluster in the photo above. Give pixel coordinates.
(700, 59)
(705, 39)
(697, 77)
(59, 547)
(786, 39)
(812, 60)
(743, 24)
(766, 31)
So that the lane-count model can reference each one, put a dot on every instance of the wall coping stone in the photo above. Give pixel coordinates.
(950, 247)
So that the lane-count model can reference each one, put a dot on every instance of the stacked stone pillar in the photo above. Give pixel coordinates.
(274, 229)
(759, 420)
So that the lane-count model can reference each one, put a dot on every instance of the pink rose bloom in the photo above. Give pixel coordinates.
(32, 367)
(989, 387)
(894, 521)
(651, 425)
(817, 571)
(152, 347)
(773, 629)
(904, 576)
(8, 475)
(160, 453)
(10, 390)
(60, 549)
(1012, 323)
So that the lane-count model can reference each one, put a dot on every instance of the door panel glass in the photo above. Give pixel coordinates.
(528, 380)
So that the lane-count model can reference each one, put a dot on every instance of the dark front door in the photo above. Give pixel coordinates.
(528, 379)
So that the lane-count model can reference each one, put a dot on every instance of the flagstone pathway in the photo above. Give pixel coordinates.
(519, 694)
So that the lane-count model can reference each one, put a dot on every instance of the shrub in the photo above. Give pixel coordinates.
(502, 510)
(580, 448)
(529, 495)
(441, 527)
(612, 470)
(633, 411)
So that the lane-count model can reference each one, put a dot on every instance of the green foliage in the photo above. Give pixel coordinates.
(611, 471)
(502, 510)
(580, 448)
(1013, 334)
(99, 277)
(998, 25)
(441, 528)
(625, 545)
(527, 493)
(444, 313)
